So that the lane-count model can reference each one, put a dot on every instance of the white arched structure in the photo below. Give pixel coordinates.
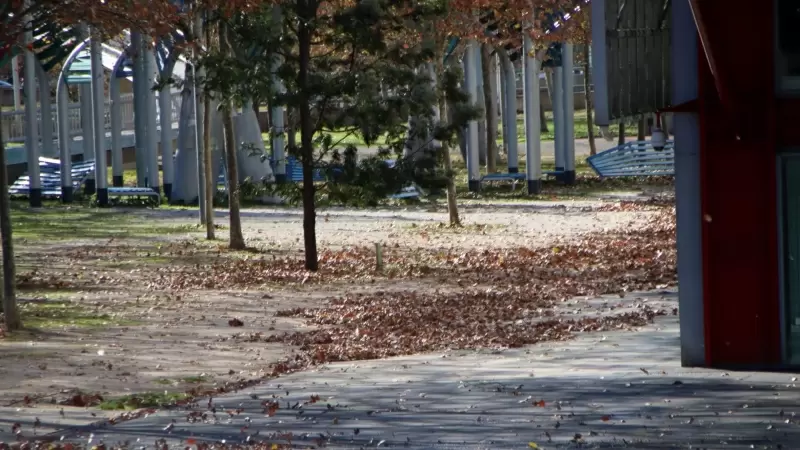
(179, 168)
(94, 131)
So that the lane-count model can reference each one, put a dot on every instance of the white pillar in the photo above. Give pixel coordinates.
(139, 109)
(510, 112)
(568, 113)
(687, 187)
(46, 107)
(64, 140)
(31, 123)
(471, 70)
(277, 114)
(151, 122)
(99, 122)
(199, 143)
(167, 152)
(116, 132)
(501, 85)
(533, 126)
(558, 119)
(87, 129)
(16, 83)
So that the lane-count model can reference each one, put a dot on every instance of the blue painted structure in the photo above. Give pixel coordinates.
(50, 172)
(634, 159)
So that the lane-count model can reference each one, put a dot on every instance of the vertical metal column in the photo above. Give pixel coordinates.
(46, 108)
(167, 152)
(533, 125)
(16, 83)
(558, 120)
(687, 186)
(278, 124)
(116, 132)
(32, 122)
(139, 109)
(510, 112)
(151, 120)
(471, 69)
(64, 140)
(99, 122)
(568, 86)
(502, 91)
(87, 133)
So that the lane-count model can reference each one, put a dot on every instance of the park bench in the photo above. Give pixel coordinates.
(514, 178)
(50, 177)
(634, 159)
(294, 173)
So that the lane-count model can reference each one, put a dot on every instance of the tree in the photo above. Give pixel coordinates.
(236, 241)
(337, 59)
(9, 304)
(490, 100)
(16, 18)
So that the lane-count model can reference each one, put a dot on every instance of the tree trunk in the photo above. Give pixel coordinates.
(621, 137)
(236, 237)
(307, 149)
(490, 101)
(587, 90)
(9, 303)
(444, 116)
(641, 135)
(209, 178)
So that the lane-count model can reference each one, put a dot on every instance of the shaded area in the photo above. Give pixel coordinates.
(622, 390)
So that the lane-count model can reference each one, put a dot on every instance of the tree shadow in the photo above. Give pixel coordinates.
(622, 390)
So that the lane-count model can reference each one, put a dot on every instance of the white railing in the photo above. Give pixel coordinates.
(13, 122)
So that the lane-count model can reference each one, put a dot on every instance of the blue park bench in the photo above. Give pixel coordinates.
(50, 177)
(294, 174)
(634, 159)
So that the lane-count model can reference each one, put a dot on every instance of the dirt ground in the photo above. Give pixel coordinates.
(160, 309)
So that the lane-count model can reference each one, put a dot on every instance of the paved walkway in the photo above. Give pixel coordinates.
(615, 390)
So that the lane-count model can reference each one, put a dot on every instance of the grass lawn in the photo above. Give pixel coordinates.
(581, 131)
(57, 222)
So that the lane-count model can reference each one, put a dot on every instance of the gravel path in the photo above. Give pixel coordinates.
(497, 225)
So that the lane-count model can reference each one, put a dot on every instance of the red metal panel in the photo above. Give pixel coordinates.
(739, 201)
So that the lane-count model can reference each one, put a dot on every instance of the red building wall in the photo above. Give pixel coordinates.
(738, 180)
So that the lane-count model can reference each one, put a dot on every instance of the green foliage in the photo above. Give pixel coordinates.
(143, 400)
(369, 72)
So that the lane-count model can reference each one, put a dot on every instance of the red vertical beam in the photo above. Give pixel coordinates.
(739, 201)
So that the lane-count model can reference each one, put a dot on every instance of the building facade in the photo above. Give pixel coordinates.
(734, 75)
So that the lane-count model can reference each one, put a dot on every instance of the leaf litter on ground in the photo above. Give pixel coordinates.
(503, 298)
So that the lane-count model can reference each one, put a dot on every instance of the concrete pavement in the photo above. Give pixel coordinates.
(602, 390)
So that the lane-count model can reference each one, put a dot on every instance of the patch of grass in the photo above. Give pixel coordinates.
(581, 131)
(128, 176)
(59, 223)
(59, 314)
(143, 400)
(195, 379)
